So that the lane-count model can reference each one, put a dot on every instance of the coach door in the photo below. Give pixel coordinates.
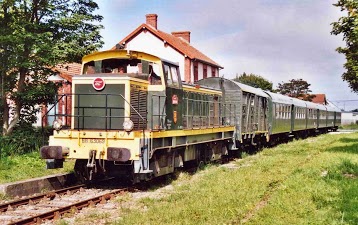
(174, 100)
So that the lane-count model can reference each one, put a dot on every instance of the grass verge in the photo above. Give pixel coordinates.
(351, 126)
(312, 181)
(25, 166)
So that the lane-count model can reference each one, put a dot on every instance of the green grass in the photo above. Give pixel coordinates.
(312, 181)
(29, 165)
(351, 126)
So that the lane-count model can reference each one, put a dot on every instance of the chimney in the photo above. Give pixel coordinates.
(152, 20)
(182, 34)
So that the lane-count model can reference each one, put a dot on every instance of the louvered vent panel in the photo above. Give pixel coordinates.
(139, 103)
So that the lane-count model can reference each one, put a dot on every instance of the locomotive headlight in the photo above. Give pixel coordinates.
(57, 124)
(128, 125)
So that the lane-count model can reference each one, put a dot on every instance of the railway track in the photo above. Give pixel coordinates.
(52, 205)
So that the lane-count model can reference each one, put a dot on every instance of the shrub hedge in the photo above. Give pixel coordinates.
(24, 139)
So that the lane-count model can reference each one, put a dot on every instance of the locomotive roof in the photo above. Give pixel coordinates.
(123, 54)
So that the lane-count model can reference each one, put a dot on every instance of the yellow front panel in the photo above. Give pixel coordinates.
(80, 143)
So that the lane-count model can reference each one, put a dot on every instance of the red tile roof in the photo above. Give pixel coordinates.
(177, 43)
(68, 70)
(320, 99)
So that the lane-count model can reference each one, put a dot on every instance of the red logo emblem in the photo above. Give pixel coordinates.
(98, 84)
(175, 100)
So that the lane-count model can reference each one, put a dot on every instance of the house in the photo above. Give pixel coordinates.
(175, 47)
(320, 99)
(64, 76)
(349, 117)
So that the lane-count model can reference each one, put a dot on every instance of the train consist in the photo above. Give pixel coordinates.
(132, 117)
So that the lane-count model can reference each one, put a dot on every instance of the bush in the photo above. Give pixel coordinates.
(24, 139)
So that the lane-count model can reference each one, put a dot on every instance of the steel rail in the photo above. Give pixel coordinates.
(35, 199)
(56, 213)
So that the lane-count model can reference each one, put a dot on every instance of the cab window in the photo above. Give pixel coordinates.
(171, 75)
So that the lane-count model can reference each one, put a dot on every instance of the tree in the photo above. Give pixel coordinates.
(35, 36)
(296, 88)
(348, 26)
(253, 80)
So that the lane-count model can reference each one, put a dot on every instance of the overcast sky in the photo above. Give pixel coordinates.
(277, 39)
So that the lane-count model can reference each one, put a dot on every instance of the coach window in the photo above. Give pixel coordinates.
(277, 110)
(298, 113)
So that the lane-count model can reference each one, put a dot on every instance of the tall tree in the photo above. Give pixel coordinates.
(253, 80)
(36, 35)
(296, 88)
(348, 26)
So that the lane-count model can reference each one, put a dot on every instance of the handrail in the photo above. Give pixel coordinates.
(54, 105)
(80, 115)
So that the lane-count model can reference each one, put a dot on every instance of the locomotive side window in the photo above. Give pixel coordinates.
(153, 71)
(167, 74)
(171, 75)
(174, 73)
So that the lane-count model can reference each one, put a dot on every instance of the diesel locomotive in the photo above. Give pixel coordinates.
(130, 116)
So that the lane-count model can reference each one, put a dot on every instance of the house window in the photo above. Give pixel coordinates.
(205, 71)
(195, 71)
(213, 71)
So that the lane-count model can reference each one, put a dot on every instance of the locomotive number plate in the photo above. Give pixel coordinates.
(93, 140)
